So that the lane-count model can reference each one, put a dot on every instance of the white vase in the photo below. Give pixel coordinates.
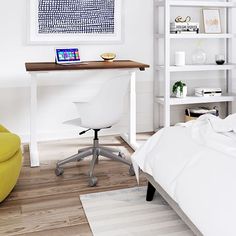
(179, 58)
(180, 94)
(199, 57)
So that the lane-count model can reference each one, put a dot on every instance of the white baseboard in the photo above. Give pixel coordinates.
(74, 134)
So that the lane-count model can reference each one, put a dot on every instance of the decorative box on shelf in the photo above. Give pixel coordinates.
(208, 92)
(194, 113)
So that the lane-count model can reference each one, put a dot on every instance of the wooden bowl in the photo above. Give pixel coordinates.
(109, 56)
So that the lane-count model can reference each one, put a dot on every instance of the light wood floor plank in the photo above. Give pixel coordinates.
(77, 230)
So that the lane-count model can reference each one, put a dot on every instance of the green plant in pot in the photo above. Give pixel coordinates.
(179, 89)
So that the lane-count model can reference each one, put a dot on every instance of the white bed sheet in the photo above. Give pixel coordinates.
(199, 174)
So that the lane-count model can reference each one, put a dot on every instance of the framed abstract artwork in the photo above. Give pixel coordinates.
(75, 21)
(211, 19)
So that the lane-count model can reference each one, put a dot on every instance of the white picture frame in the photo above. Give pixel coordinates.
(212, 21)
(34, 37)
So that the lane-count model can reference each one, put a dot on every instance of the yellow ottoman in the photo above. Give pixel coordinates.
(10, 161)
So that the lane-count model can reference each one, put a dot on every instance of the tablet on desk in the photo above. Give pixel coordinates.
(67, 56)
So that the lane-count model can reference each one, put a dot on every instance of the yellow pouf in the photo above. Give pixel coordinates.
(10, 161)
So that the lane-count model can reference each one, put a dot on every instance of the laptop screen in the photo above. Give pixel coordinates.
(68, 55)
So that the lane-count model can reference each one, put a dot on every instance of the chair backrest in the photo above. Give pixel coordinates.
(106, 108)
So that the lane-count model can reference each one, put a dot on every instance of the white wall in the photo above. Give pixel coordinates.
(56, 91)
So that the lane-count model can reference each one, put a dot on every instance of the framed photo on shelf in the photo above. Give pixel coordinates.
(211, 20)
(74, 21)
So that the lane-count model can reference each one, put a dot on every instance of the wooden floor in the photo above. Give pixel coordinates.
(44, 204)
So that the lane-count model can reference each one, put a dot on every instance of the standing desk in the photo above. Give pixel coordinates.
(36, 68)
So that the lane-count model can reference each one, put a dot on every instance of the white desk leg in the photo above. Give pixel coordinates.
(34, 156)
(131, 137)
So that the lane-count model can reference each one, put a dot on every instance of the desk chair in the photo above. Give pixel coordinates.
(101, 112)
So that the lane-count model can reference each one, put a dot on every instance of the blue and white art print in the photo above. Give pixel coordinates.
(76, 16)
(75, 21)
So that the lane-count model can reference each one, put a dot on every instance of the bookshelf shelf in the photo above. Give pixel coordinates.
(207, 67)
(186, 3)
(197, 36)
(196, 100)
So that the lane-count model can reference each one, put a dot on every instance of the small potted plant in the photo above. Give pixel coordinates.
(179, 89)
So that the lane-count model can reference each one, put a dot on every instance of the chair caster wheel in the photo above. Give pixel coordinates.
(131, 171)
(93, 181)
(122, 155)
(59, 171)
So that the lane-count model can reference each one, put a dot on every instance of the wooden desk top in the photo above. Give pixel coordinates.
(87, 65)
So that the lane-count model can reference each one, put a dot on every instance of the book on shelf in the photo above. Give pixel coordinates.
(184, 32)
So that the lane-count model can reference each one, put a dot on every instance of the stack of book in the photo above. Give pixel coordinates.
(184, 28)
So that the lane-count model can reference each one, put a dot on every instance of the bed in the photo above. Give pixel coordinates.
(193, 166)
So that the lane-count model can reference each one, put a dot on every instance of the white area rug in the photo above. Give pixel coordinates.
(126, 212)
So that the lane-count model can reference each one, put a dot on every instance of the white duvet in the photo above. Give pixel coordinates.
(195, 163)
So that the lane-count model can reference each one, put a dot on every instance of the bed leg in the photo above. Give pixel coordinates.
(150, 192)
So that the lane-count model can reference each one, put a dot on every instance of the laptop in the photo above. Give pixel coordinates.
(67, 56)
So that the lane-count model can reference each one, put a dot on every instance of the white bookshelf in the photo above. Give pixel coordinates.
(167, 69)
